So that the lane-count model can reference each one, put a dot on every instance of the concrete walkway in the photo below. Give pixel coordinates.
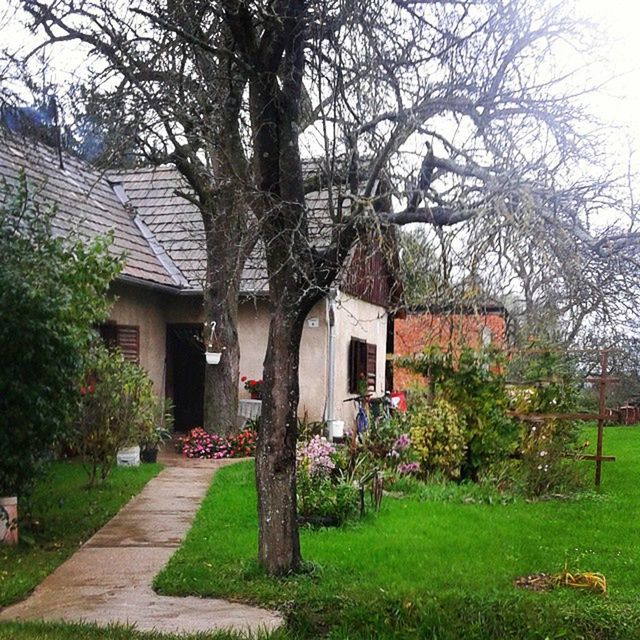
(109, 579)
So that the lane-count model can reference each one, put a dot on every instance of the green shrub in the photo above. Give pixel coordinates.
(52, 291)
(473, 382)
(158, 430)
(437, 437)
(323, 502)
(323, 496)
(544, 446)
(117, 409)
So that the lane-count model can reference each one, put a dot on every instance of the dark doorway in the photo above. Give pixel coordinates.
(185, 374)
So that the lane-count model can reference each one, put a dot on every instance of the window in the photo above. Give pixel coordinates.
(123, 337)
(362, 364)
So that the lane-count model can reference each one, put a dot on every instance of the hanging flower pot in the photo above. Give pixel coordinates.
(9, 520)
(213, 357)
(214, 351)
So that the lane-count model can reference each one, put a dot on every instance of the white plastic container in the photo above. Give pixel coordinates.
(336, 429)
(128, 457)
(213, 357)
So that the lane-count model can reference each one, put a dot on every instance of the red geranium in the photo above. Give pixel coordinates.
(252, 386)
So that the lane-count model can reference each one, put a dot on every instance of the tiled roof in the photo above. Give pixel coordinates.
(174, 221)
(86, 203)
(160, 233)
(177, 224)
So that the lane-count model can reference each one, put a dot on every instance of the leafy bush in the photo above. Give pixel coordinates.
(52, 292)
(544, 445)
(323, 497)
(521, 456)
(545, 466)
(323, 502)
(438, 437)
(199, 443)
(380, 438)
(473, 382)
(158, 430)
(117, 407)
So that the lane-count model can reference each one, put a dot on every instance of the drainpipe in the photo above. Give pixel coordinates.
(329, 413)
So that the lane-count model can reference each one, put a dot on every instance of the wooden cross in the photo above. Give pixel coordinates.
(602, 380)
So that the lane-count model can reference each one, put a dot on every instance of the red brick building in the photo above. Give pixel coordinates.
(450, 329)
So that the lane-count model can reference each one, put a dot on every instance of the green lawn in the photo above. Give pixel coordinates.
(40, 631)
(61, 514)
(434, 569)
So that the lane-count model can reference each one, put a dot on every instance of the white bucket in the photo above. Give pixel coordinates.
(336, 429)
(128, 457)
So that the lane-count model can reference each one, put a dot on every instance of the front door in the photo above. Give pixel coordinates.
(185, 374)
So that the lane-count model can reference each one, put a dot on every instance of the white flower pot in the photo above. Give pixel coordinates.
(213, 357)
(128, 457)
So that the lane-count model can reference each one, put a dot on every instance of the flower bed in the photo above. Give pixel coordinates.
(198, 443)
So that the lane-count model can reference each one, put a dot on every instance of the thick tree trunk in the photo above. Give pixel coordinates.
(278, 544)
(224, 270)
(221, 380)
(224, 211)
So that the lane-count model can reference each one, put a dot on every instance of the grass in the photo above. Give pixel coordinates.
(70, 631)
(60, 515)
(433, 569)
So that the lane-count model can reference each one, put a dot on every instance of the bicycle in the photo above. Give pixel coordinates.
(361, 420)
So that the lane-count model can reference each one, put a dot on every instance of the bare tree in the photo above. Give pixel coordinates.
(182, 102)
(365, 88)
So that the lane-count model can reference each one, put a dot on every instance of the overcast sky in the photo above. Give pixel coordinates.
(619, 102)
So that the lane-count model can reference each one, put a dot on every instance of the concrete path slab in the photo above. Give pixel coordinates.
(109, 579)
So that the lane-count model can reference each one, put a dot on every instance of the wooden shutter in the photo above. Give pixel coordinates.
(371, 365)
(362, 364)
(129, 342)
(123, 337)
(353, 365)
(357, 363)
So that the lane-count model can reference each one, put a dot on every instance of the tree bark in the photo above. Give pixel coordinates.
(278, 543)
(221, 380)
(223, 276)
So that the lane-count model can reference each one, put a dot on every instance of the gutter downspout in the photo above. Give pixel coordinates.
(329, 408)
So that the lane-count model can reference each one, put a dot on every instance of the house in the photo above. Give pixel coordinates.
(448, 327)
(157, 315)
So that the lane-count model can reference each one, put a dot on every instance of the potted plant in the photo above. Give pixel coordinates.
(254, 387)
(158, 432)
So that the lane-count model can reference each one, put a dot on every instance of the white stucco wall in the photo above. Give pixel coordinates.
(151, 311)
(357, 319)
(253, 332)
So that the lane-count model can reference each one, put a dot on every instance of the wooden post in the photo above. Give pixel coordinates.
(602, 399)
